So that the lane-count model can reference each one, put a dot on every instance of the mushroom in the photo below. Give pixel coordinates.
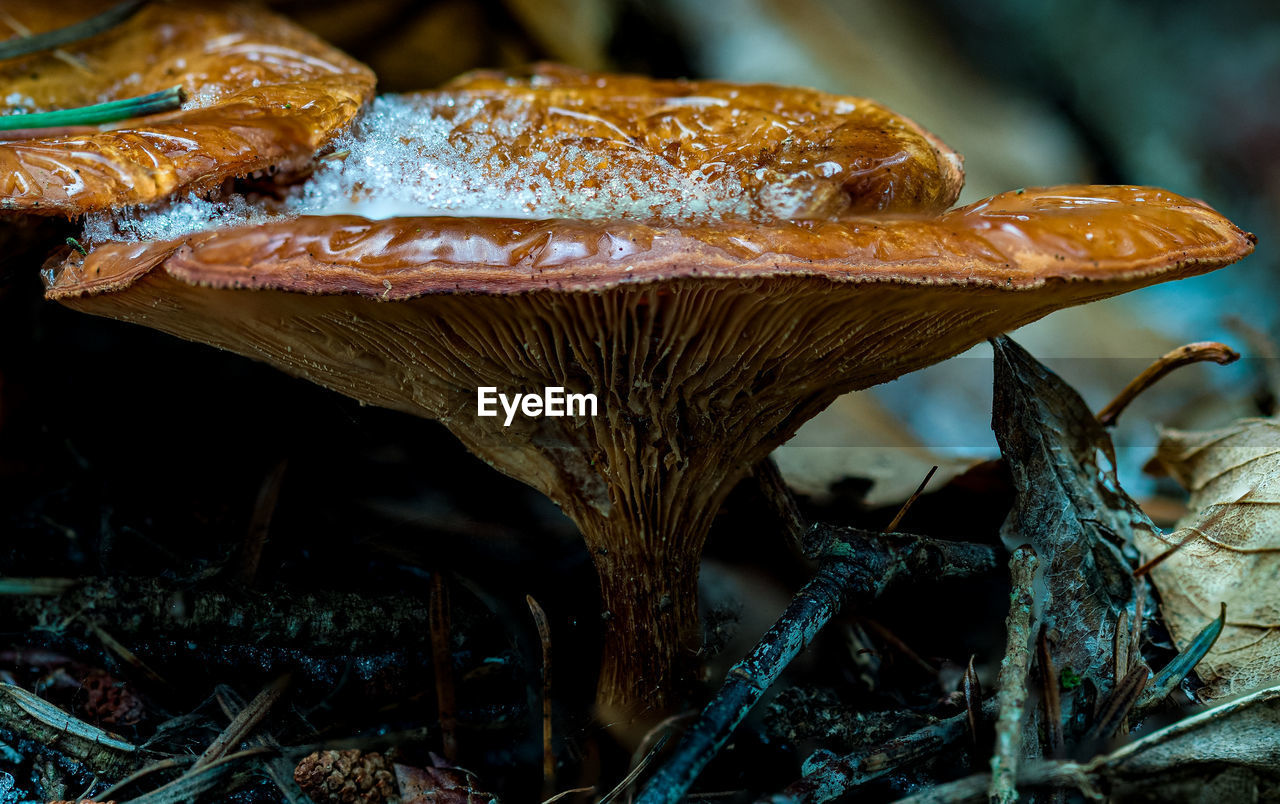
(706, 341)
(262, 94)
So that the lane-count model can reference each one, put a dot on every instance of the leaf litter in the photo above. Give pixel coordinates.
(1080, 655)
(1227, 550)
(1071, 510)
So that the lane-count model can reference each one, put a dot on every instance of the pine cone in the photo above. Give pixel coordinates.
(346, 777)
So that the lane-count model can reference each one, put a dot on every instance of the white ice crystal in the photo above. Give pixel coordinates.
(424, 156)
(440, 155)
(19, 103)
(173, 220)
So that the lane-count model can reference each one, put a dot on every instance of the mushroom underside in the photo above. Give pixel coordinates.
(696, 379)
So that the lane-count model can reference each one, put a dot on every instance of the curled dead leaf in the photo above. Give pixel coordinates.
(1071, 510)
(1226, 551)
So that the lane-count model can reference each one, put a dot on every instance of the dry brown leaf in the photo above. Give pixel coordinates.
(1230, 551)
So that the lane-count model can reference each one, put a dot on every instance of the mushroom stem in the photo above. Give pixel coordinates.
(651, 634)
(647, 546)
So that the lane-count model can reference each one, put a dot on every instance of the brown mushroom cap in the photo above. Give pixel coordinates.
(565, 144)
(262, 93)
(1019, 240)
(707, 345)
(798, 153)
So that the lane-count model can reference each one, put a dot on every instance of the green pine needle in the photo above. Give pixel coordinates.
(164, 101)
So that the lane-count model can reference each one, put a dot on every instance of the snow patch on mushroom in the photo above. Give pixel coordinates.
(441, 155)
(173, 220)
(452, 155)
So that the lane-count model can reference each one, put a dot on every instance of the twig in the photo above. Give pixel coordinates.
(26, 45)
(972, 700)
(969, 788)
(906, 506)
(548, 752)
(635, 772)
(828, 776)
(1013, 678)
(1049, 694)
(243, 723)
(1115, 710)
(852, 564)
(570, 792)
(1200, 352)
(194, 783)
(1037, 774)
(164, 764)
(1168, 679)
(19, 126)
(441, 617)
(31, 717)
(118, 648)
(278, 767)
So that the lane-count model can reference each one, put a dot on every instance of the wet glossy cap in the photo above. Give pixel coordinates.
(261, 93)
(1053, 241)
(790, 152)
